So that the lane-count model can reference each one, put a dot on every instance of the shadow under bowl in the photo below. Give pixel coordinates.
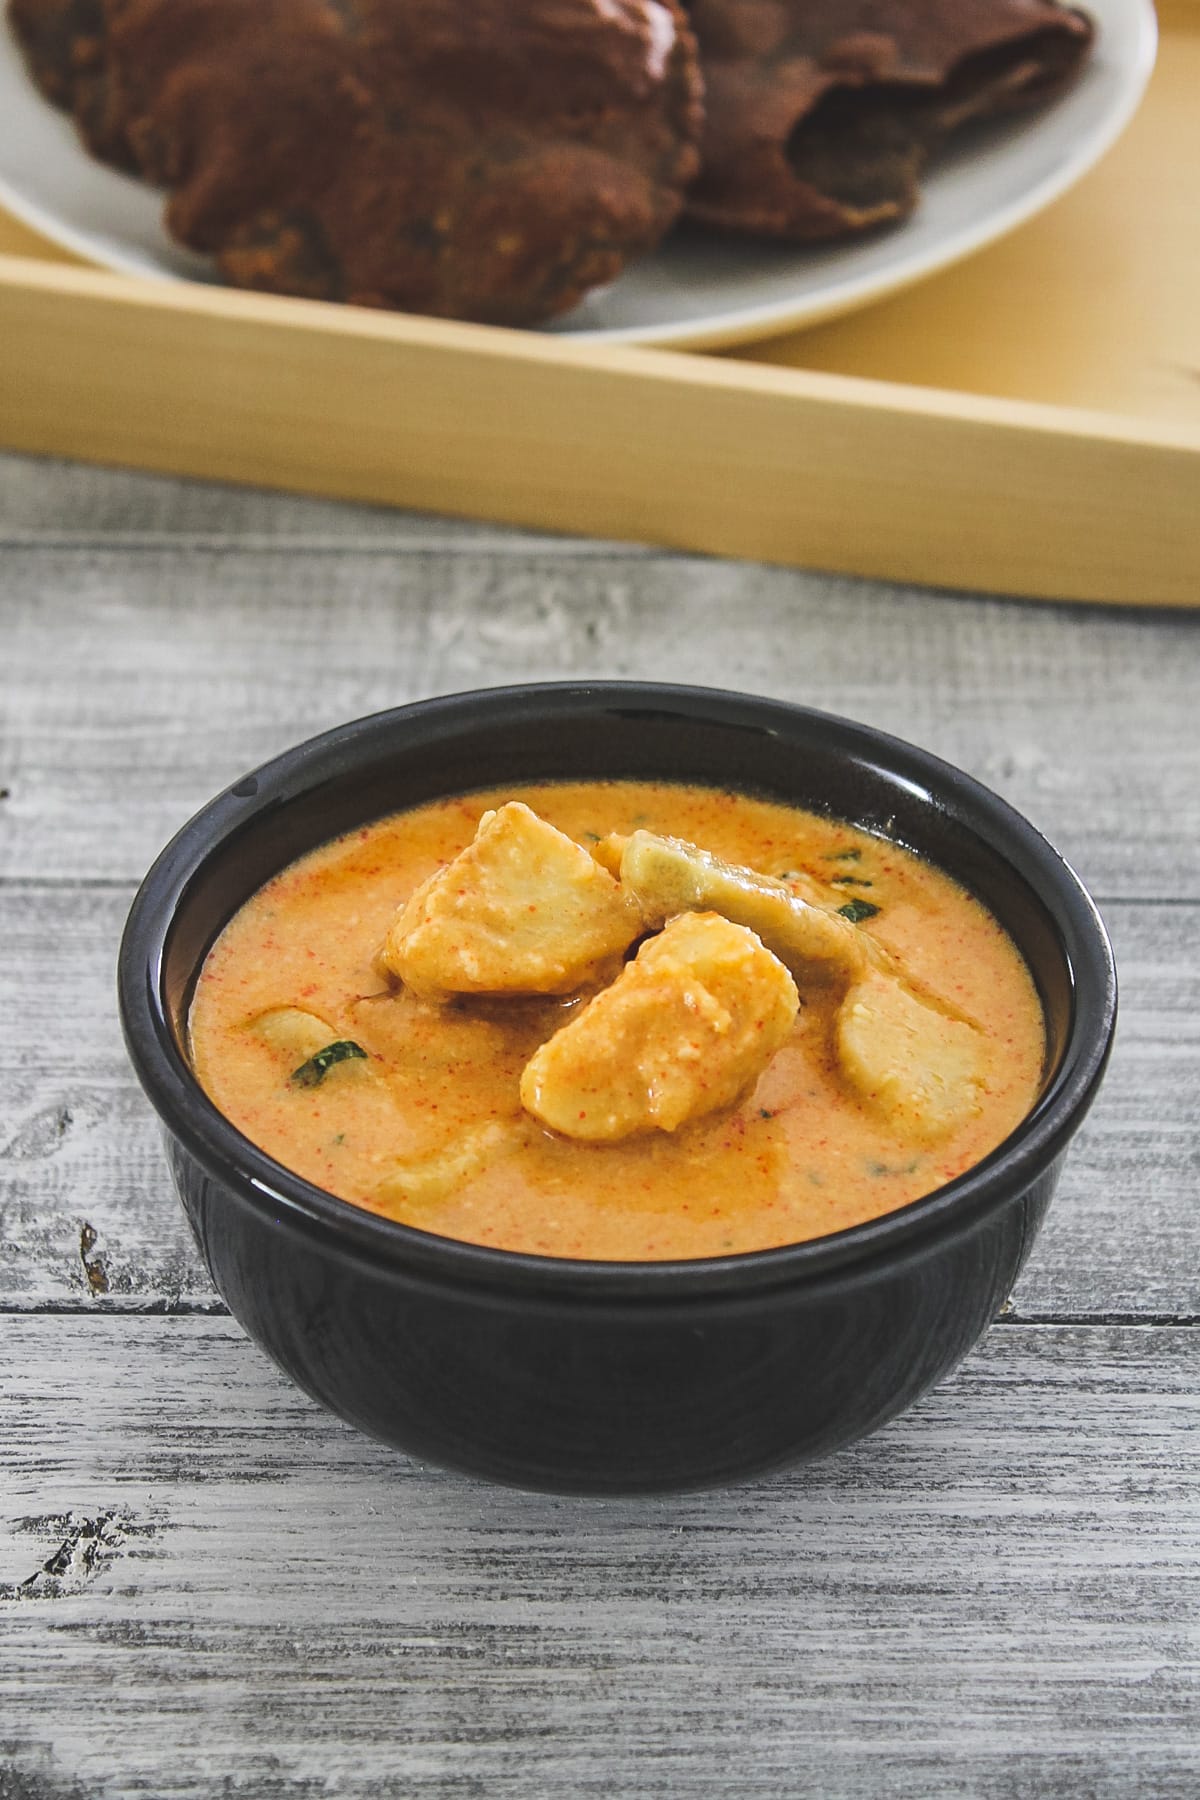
(608, 1378)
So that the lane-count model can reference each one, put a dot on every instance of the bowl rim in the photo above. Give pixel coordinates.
(349, 1231)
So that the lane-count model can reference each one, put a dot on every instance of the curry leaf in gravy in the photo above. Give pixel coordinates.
(313, 1072)
(858, 910)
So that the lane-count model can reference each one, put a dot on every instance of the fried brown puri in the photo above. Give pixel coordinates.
(821, 114)
(477, 160)
(65, 45)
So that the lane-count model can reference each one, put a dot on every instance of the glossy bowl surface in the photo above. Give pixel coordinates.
(610, 1377)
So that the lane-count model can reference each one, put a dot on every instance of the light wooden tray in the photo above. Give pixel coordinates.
(1026, 423)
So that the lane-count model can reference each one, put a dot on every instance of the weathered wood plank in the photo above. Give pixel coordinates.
(78, 1147)
(995, 1596)
(142, 680)
(43, 499)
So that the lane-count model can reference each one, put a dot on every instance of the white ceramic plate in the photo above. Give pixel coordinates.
(695, 290)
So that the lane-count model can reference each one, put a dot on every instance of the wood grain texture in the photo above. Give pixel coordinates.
(45, 501)
(145, 675)
(83, 1180)
(996, 1596)
(733, 458)
(209, 1586)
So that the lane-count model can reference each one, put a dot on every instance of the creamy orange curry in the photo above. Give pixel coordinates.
(618, 1020)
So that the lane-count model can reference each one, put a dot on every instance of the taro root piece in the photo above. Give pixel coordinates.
(924, 1072)
(686, 1027)
(307, 1044)
(65, 44)
(821, 114)
(478, 161)
(667, 876)
(523, 909)
(417, 1180)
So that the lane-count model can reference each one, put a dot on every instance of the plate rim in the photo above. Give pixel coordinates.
(728, 328)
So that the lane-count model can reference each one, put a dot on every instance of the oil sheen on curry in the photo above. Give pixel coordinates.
(618, 1020)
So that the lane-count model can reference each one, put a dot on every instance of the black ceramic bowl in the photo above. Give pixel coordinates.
(610, 1377)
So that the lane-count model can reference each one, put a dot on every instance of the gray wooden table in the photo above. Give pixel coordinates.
(208, 1586)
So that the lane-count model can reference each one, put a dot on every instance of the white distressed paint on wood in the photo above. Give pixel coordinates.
(143, 679)
(996, 1595)
(46, 501)
(79, 1146)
